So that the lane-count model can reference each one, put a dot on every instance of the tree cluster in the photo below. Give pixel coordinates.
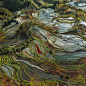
(58, 2)
(4, 13)
(14, 5)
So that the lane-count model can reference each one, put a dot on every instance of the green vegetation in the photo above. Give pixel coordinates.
(45, 5)
(24, 30)
(19, 4)
(62, 76)
(44, 61)
(2, 36)
(39, 2)
(58, 3)
(67, 77)
(5, 14)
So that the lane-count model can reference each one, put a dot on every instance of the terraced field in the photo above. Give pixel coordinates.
(26, 54)
(27, 63)
(23, 70)
(44, 49)
(39, 50)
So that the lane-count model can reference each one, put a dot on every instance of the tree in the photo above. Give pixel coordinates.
(65, 1)
(67, 77)
(18, 49)
(5, 49)
(75, 29)
(56, 2)
(17, 31)
(83, 31)
(56, 7)
(22, 11)
(51, 51)
(58, 19)
(14, 50)
(27, 16)
(14, 5)
(80, 80)
(56, 31)
(27, 41)
(62, 76)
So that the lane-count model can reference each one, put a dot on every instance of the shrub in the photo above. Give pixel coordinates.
(8, 79)
(30, 84)
(62, 76)
(67, 77)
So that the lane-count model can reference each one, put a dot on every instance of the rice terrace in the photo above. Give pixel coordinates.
(42, 42)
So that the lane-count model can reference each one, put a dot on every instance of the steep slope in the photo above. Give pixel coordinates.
(19, 4)
(48, 1)
(4, 13)
(51, 1)
(39, 3)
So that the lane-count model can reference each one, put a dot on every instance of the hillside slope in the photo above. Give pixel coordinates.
(19, 4)
(5, 12)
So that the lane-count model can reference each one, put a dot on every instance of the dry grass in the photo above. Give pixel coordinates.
(7, 81)
(25, 53)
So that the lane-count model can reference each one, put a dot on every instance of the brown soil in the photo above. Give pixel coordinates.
(25, 53)
(63, 84)
(57, 71)
(36, 36)
(49, 45)
(49, 64)
(82, 60)
(7, 81)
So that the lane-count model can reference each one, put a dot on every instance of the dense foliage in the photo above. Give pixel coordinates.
(38, 2)
(58, 2)
(14, 5)
(4, 13)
